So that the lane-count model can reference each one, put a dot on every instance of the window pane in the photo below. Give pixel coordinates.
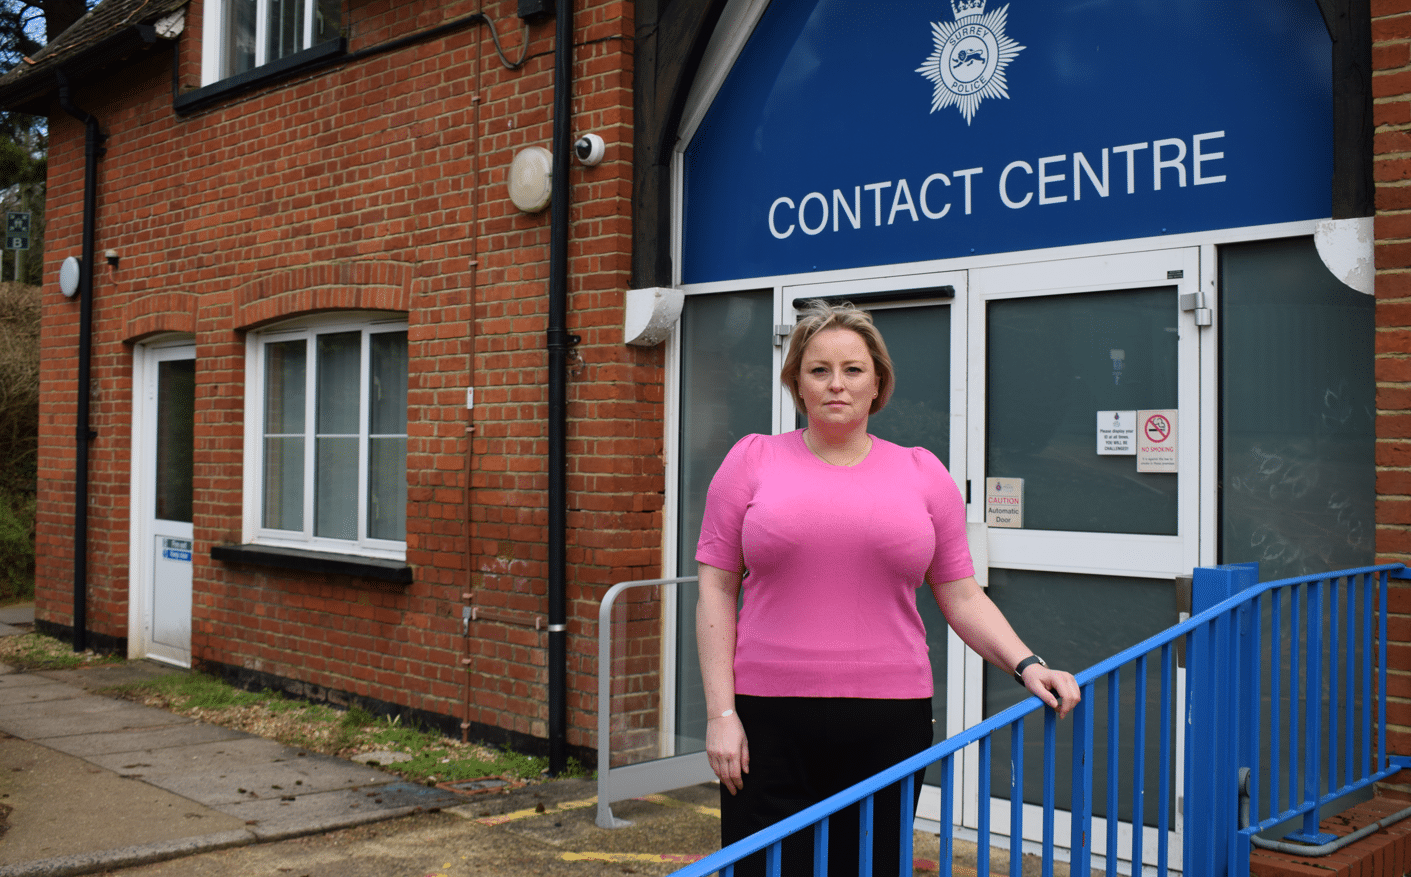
(1054, 362)
(284, 483)
(284, 25)
(387, 488)
(326, 21)
(336, 491)
(918, 414)
(284, 387)
(176, 418)
(285, 372)
(1117, 613)
(1297, 413)
(239, 37)
(338, 377)
(387, 397)
(727, 378)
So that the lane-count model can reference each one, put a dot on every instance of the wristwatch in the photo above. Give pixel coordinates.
(1024, 665)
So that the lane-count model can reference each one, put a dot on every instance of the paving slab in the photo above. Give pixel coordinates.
(229, 771)
(16, 693)
(20, 613)
(62, 805)
(141, 739)
(64, 717)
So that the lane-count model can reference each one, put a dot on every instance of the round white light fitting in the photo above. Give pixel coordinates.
(69, 273)
(531, 173)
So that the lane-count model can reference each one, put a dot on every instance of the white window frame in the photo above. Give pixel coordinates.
(214, 37)
(309, 328)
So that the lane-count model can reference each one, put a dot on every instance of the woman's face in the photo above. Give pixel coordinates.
(837, 378)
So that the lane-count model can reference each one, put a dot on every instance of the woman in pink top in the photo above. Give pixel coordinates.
(822, 678)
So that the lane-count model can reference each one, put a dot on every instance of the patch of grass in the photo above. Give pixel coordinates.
(321, 728)
(185, 692)
(35, 651)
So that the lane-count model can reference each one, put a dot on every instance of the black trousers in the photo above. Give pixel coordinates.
(804, 749)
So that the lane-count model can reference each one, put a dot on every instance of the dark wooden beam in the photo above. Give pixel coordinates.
(1349, 24)
(671, 39)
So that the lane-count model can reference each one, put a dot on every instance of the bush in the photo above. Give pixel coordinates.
(16, 547)
(19, 436)
(19, 387)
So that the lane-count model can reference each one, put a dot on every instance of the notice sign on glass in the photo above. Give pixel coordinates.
(1117, 433)
(1004, 502)
(1156, 440)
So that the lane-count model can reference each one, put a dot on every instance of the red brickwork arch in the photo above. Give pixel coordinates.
(159, 312)
(371, 285)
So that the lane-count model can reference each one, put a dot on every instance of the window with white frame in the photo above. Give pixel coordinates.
(326, 445)
(241, 35)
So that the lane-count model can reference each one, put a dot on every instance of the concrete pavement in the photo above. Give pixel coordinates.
(92, 784)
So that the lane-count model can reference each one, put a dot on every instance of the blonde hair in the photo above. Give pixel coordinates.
(818, 315)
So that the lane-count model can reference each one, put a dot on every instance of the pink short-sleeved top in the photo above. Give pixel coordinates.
(833, 557)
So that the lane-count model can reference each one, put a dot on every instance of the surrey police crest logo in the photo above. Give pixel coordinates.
(970, 57)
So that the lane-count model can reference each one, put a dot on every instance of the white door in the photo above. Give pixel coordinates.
(923, 318)
(1085, 410)
(162, 547)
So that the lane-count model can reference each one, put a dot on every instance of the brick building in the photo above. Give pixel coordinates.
(1065, 228)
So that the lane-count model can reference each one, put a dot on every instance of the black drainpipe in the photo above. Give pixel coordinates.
(92, 149)
(559, 342)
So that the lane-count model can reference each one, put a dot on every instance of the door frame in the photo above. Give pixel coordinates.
(1099, 553)
(1205, 243)
(1191, 271)
(965, 668)
(141, 504)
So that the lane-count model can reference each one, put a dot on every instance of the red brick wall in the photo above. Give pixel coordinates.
(380, 183)
(1391, 89)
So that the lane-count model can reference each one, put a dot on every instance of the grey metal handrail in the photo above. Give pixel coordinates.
(647, 778)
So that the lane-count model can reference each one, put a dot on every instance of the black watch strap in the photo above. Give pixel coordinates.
(1024, 665)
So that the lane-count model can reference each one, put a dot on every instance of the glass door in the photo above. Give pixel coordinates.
(922, 319)
(1085, 418)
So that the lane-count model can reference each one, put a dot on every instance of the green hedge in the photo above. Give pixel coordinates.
(16, 547)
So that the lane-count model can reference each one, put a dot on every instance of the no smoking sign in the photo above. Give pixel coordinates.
(1156, 440)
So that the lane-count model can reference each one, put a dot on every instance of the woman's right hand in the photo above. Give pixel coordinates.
(728, 751)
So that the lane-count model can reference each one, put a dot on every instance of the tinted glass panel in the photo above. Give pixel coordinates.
(338, 378)
(1297, 413)
(336, 487)
(387, 395)
(727, 379)
(1053, 363)
(176, 418)
(285, 397)
(1116, 613)
(918, 415)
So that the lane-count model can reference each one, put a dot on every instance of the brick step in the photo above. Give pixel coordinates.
(1384, 853)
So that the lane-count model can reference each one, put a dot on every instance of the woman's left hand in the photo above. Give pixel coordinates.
(1054, 687)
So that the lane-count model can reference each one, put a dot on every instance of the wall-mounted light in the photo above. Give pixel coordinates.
(69, 273)
(531, 173)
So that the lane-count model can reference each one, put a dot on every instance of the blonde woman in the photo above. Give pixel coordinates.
(823, 679)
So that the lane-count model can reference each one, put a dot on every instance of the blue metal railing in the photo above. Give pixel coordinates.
(1314, 734)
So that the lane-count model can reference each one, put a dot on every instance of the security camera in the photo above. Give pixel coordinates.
(589, 148)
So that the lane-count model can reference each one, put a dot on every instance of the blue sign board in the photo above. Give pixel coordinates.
(177, 549)
(848, 136)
